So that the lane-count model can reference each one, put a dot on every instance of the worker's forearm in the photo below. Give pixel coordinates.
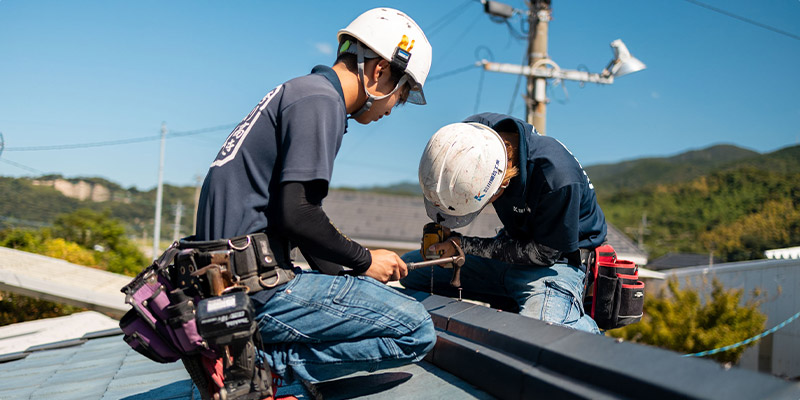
(507, 249)
(309, 228)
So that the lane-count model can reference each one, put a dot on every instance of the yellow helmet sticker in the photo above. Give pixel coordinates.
(405, 45)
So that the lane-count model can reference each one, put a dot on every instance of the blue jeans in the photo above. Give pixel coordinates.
(552, 294)
(319, 327)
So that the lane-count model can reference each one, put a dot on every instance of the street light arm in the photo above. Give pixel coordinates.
(554, 73)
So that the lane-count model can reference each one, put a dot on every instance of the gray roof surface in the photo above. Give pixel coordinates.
(104, 367)
(21, 336)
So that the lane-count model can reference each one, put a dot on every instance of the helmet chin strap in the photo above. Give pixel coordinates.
(370, 97)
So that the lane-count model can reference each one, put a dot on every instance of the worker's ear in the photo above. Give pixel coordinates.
(382, 75)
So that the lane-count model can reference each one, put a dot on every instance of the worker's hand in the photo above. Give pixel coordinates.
(386, 266)
(446, 246)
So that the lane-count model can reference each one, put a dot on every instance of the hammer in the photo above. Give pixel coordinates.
(457, 262)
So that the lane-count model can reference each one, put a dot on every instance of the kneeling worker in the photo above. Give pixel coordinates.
(271, 176)
(543, 198)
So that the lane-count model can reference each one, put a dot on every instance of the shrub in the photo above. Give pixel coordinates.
(685, 321)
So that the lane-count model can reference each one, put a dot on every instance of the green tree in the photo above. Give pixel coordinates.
(15, 308)
(99, 231)
(685, 321)
(22, 239)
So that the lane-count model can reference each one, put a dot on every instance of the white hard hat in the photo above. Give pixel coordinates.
(395, 37)
(461, 169)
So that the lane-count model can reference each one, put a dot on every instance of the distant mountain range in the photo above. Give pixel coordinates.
(641, 172)
(690, 165)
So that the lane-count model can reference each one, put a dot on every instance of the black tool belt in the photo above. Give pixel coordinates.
(580, 258)
(252, 262)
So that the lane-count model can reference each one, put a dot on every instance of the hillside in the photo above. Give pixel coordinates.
(27, 202)
(659, 170)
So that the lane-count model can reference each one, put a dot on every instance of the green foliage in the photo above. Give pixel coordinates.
(106, 235)
(736, 213)
(685, 321)
(22, 239)
(15, 308)
(20, 200)
(68, 251)
(83, 237)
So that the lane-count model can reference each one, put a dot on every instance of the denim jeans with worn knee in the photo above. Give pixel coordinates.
(552, 294)
(319, 327)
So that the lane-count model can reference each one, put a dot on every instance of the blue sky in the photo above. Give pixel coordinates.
(75, 72)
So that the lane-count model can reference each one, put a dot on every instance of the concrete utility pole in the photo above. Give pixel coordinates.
(536, 104)
(159, 193)
(197, 190)
(176, 227)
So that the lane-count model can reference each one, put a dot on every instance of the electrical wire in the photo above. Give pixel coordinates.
(490, 57)
(20, 166)
(524, 61)
(746, 341)
(120, 141)
(461, 37)
(446, 19)
(743, 19)
(453, 72)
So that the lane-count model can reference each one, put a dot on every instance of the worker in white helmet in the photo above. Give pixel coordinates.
(271, 176)
(543, 198)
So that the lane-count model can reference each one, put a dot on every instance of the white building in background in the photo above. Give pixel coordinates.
(789, 253)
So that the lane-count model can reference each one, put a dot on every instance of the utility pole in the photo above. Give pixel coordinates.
(643, 230)
(159, 192)
(538, 16)
(198, 187)
(176, 228)
(536, 102)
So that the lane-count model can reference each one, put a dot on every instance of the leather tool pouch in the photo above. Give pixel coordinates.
(615, 295)
(210, 268)
(150, 326)
(161, 324)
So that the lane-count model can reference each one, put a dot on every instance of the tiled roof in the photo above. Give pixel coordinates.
(368, 216)
(679, 260)
(102, 366)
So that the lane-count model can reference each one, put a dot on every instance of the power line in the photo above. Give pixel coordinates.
(25, 167)
(453, 72)
(746, 341)
(446, 19)
(744, 19)
(120, 141)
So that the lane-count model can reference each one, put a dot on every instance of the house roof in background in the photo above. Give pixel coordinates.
(680, 260)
